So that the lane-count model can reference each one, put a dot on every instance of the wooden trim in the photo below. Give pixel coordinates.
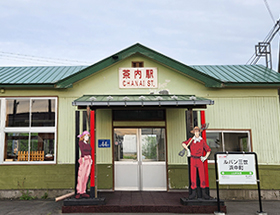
(235, 131)
(54, 162)
(113, 150)
(166, 154)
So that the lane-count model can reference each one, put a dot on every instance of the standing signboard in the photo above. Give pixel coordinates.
(236, 169)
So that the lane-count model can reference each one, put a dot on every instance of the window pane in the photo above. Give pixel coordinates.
(236, 142)
(16, 147)
(42, 147)
(214, 140)
(18, 113)
(125, 147)
(153, 144)
(43, 112)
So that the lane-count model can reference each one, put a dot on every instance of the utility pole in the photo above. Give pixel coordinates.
(263, 48)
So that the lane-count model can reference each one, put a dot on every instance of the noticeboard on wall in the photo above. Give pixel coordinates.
(236, 169)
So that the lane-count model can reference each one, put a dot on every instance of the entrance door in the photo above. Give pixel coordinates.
(139, 155)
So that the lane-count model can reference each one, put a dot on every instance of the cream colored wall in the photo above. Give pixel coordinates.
(176, 134)
(104, 131)
(256, 109)
(260, 114)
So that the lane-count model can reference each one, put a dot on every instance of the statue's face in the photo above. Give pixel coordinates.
(196, 133)
(86, 137)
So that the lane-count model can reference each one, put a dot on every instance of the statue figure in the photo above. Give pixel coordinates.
(85, 162)
(195, 147)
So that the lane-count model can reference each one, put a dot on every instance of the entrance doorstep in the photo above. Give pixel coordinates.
(141, 202)
(84, 202)
(185, 201)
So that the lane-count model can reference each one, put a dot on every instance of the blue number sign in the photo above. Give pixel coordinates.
(103, 143)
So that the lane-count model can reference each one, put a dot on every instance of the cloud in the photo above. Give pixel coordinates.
(194, 32)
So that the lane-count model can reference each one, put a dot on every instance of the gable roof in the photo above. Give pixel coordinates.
(211, 76)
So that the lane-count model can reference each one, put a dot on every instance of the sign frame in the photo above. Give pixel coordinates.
(104, 143)
(257, 175)
(235, 169)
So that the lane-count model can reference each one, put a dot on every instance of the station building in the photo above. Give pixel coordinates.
(145, 104)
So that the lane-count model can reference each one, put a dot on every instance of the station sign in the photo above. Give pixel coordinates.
(236, 169)
(104, 143)
(145, 77)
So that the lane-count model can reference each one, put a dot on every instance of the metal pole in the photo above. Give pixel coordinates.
(258, 182)
(217, 184)
(77, 118)
(93, 191)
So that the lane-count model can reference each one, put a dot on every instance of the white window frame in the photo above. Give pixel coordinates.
(248, 132)
(4, 130)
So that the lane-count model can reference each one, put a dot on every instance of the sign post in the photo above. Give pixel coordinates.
(235, 168)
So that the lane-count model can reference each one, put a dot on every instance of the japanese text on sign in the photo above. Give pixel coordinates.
(138, 77)
(236, 169)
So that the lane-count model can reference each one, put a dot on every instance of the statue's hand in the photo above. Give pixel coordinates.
(188, 153)
(203, 158)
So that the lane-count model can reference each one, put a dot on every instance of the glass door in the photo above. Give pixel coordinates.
(153, 159)
(139, 156)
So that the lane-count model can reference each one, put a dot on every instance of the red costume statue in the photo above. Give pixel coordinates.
(195, 147)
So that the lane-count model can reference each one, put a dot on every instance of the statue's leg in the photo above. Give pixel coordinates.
(202, 181)
(193, 179)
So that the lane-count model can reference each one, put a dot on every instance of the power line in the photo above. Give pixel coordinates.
(30, 59)
(269, 11)
(42, 59)
(19, 60)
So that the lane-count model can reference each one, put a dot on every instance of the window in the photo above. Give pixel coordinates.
(137, 64)
(222, 141)
(28, 131)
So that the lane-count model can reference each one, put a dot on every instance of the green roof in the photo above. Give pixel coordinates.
(238, 75)
(150, 100)
(210, 76)
(36, 76)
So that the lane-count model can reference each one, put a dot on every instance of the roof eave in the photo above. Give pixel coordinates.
(27, 86)
(264, 85)
(143, 103)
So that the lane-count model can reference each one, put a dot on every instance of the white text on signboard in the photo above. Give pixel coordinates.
(138, 77)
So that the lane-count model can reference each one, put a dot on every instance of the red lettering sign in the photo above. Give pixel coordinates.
(126, 74)
(137, 72)
(149, 73)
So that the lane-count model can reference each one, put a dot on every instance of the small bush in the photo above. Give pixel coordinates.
(45, 196)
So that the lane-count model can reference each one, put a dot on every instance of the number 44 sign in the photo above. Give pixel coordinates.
(103, 143)
(236, 169)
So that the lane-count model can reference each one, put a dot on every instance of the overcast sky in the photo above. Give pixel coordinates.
(195, 32)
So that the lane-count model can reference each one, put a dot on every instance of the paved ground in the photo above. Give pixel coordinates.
(48, 207)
